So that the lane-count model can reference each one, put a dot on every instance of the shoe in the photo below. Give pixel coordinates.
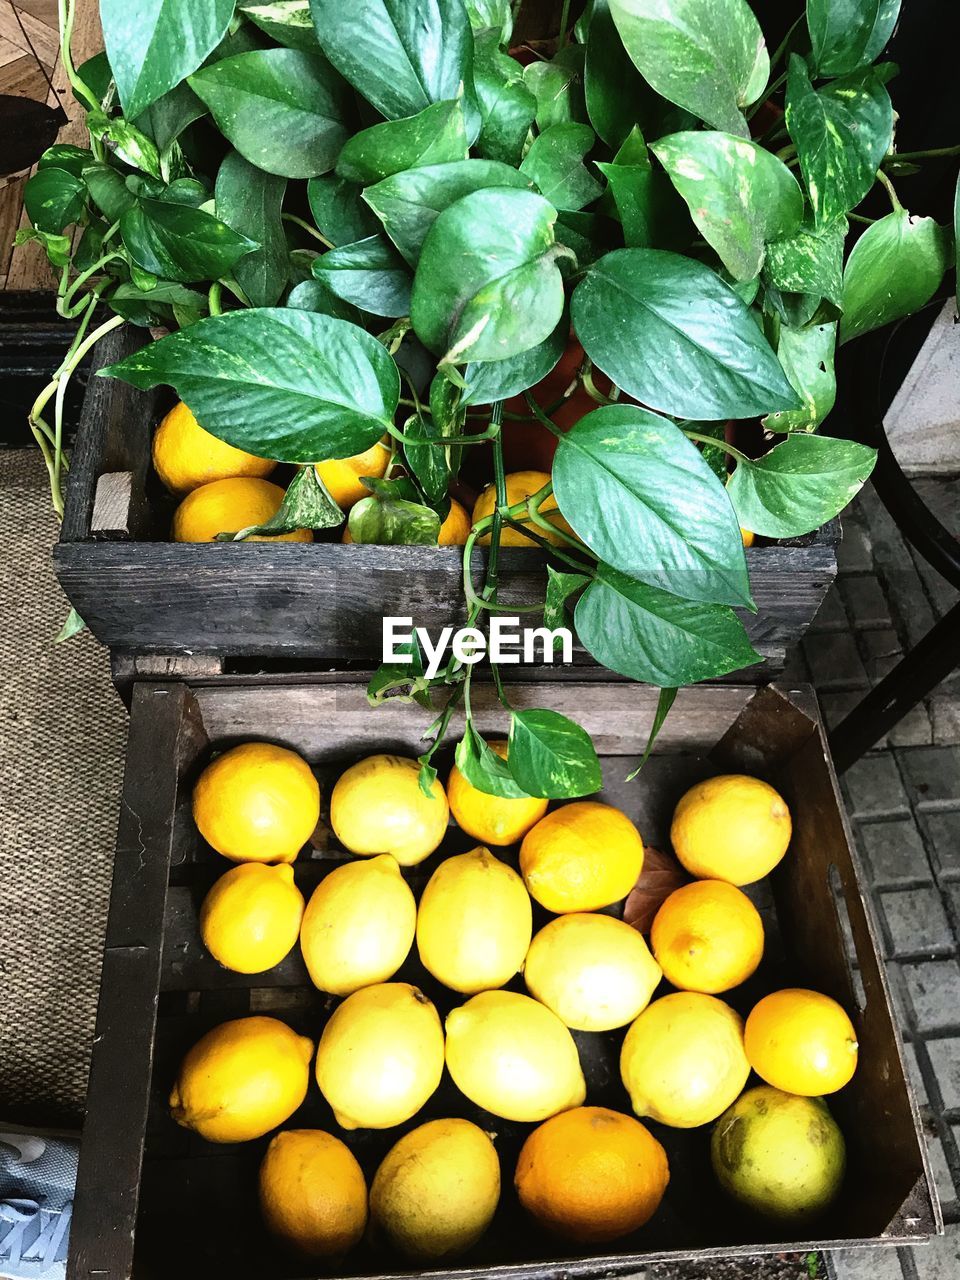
(38, 1174)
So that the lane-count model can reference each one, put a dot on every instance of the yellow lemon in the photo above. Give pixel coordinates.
(380, 1056)
(257, 802)
(593, 971)
(747, 537)
(732, 828)
(341, 476)
(251, 917)
(474, 922)
(185, 456)
(241, 1080)
(707, 936)
(377, 806)
(780, 1155)
(359, 925)
(453, 532)
(802, 1042)
(227, 506)
(591, 1175)
(437, 1190)
(581, 857)
(495, 820)
(520, 485)
(682, 1061)
(513, 1057)
(313, 1195)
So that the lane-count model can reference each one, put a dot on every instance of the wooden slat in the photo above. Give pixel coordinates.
(41, 35)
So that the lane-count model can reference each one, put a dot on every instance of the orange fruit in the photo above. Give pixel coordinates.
(733, 827)
(707, 936)
(313, 1195)
(591, 1175)
(748, 537)
(227, 506)
(496, 820)
(186, 456)
(581, 857)
(520, 485)
(802, 1042)
(341, 476)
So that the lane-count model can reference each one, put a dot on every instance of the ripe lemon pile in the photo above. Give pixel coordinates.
(585, 1173)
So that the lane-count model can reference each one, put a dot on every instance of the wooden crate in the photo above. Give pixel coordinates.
(322, 601)
(155, 1200)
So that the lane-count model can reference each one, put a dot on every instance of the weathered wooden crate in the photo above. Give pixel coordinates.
(155, 1200)
(322, 601)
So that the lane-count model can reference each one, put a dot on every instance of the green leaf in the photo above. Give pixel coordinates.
(642, 498)
(841, 133)
(53, 199)
(555, 164)
(388, 521)
(63, 155)
(809, 261)
(706, 55)
(483, 768)
(338, 209)
(176, 242)
(501, 379)
(807, 357)
(617, 96)
(799, 485)
(306, 505)
(433, 136)
(408, 203)
(286, 21)
(557, 87)
(154, 44)
(487, 285)
(56, 247)
(155, 306)
(664, 702)
(427, 462)
(587, 235)
(560, 587)
(650, 211)
(314, 295)
(277, 382)
(72, 626)
(507, 107)
(552, 756)
(284, 111)
(739, 196)
(493, 15)
(849, 34)
(647, 634)
(126, 142)
(893, 269)
(670, 333)
(370, 274)
(250, 201)
(166, 119)
(401, 55)
(401, 681)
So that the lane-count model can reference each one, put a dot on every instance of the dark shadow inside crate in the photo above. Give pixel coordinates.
(198, 1211)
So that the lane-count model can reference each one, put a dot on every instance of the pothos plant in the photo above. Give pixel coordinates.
(379, 219)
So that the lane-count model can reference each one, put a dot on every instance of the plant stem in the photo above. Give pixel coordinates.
(934, 153)
(894, 198)
(781, 49)
(720, 444)
(858, 217)
(214, 297)
(787, 152)
(65, 9)
(500, 481)
(305, 226)
(771, 90)
(564, 21)
(541, 417)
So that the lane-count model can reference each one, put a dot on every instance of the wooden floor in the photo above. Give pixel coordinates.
(26, 267)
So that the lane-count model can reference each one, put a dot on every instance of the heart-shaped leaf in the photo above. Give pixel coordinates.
(279, 383)
(338, 209)
(408, 203)
(661, 875)
(370, 274)
(557, 87)
(650, 211)
(617, 96)
(484, 768)
(389, 521)
(250, 201)
(670, 333)
(841, 133)
(314, 295)
(893, 269)
(555, 164)
(560, 587)
(849, 34)
(401, 55)
(501, 379)
(283, 110)
(641, 497)
(706, 55)
(739, 195)
(154, 44)
(306, 505)
(807, 357)
(507, 107)
(487, 285)
(176, 242)
(649, 635)
(809, 261)
(435, 135)
(287, 21)
(53, 199)
(799, 485)
(166, 119)
(550, 755)
(426, 459)
(156, 305)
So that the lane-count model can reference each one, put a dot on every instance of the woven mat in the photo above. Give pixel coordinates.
(62, 732)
